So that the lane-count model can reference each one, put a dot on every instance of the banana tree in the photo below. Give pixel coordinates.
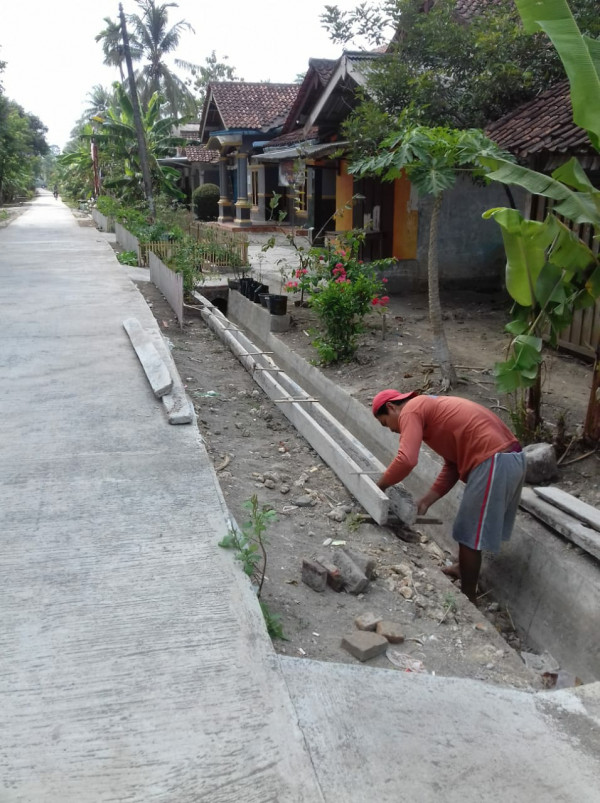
(432, 158)
(117, 140)
(550, 271)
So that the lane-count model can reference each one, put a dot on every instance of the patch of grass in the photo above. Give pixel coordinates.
(128, 258)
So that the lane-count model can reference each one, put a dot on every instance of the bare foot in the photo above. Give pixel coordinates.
(452, 571)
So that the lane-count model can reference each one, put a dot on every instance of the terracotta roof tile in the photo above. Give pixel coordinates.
(298, 135)
(545, 124)
(197, 153)
(258, 106)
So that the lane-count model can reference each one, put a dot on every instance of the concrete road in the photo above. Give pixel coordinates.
(134, 662)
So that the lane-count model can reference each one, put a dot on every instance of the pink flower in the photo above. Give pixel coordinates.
(375, 301)
(385, 281)
(385, 299)
(339, 265)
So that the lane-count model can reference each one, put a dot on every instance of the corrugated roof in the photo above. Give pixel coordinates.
(543, 125)
(253, 105)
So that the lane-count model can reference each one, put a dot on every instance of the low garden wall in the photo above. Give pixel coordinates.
(169, 283)
(126, 240)
(102, 222)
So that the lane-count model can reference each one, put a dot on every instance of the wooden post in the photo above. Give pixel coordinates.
(591, 430)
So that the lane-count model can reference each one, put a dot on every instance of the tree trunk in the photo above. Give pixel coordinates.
(441, 351)
(591, 430)
(143, 153)
(533, 406)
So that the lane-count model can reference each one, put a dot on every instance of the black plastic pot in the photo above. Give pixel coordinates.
(264, 300)
(277, 304)
(262, 288)
(233, 284)
(244, 286)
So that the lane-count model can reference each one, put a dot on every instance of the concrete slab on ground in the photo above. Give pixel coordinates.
(376, 734)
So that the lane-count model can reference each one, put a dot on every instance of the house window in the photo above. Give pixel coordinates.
(302, 191)
(254, 187)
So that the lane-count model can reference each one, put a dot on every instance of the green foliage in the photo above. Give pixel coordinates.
(342, 290)
(205, 201)
(128, 258)
(201, 75)
(118, 153)
(550, 272)
(250, 547)
(108, 206)
(22, 146)
(432, 158)
(448, 70)
(152, 41)
(188, 259)
(273, 622)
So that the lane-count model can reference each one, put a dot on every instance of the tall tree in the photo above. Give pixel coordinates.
(203, 74)
(112, 46)
(450, 69)
(156, 40)
(22, 143)
(99, 100)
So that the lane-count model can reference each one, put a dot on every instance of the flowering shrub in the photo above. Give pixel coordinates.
(342, 290)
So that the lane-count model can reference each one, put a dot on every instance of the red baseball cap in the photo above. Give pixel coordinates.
(389, 395)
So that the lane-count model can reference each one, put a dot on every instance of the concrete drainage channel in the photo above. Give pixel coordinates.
(553, 591)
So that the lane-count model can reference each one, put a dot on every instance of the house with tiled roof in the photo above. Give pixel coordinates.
(395, 219)
(542, 134)
(238, 117)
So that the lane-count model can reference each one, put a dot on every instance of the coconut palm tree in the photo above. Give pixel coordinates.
(99, 100)
(156, 40)
(112, 46)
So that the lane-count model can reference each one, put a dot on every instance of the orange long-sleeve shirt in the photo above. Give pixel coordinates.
(462, 432)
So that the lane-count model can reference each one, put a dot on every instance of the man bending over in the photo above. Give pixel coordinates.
(477, 448)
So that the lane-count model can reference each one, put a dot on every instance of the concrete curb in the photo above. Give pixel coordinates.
(156, 371)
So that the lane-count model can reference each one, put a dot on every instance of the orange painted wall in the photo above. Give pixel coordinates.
(406, 221)
(344, 187)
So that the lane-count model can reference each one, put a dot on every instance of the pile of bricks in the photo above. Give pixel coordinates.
(345, 570)
(372, 637)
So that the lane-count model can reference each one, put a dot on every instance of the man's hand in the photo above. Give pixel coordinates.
(426, 502)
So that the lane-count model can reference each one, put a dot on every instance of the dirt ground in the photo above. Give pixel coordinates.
(255, 450)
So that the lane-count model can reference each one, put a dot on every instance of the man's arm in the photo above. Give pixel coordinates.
(408, 452)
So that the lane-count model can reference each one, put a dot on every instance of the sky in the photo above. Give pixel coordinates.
(53, 60)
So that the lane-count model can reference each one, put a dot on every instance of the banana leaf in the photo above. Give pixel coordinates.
(578, 54)
(525, 243)
(580, 207)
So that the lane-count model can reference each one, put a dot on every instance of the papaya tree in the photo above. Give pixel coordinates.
(432, 158)
(551, 272)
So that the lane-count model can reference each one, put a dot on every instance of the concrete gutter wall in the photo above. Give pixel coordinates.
(169, 283)
(126, 240)
(551, 591)
(259, 320)
(104, 223)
